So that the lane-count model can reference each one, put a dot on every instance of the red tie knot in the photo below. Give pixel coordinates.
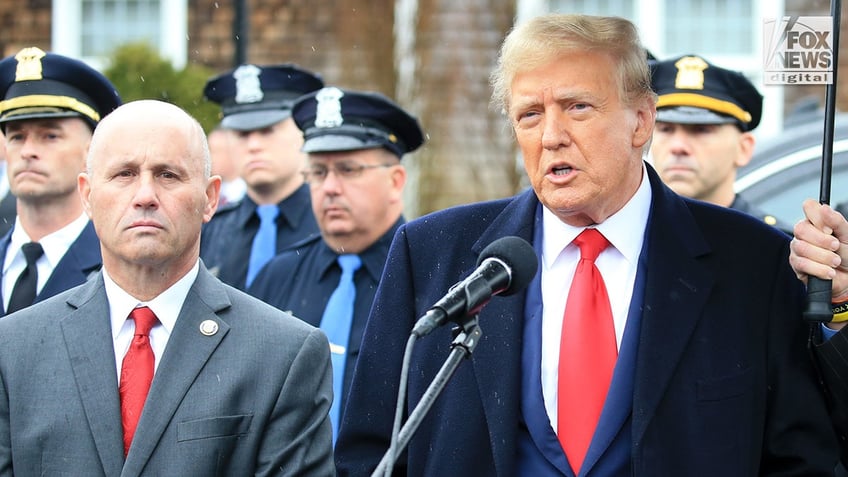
(591, 243)
(144, 320)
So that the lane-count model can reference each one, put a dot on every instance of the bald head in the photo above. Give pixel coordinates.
(148, 192)
(144, 121)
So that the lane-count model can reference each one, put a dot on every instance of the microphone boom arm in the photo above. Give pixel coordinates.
(461, 347)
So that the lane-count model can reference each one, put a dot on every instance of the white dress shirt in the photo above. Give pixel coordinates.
(55, 246)
(618, 263)
(166, 307)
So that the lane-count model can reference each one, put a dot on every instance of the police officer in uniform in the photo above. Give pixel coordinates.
(49, 109)
(354, 142)
(705, 115)
(275, 213)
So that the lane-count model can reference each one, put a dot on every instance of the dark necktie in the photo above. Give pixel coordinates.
(23, 294)
(264, 245)
(336, 321)
(587, 352)
(136, 373)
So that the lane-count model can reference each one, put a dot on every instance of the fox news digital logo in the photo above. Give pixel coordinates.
(798, 50)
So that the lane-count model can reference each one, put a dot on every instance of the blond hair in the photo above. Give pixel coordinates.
(544, 38)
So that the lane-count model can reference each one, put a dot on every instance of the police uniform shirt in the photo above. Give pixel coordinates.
(743, 205)
(226, 239)
(55, 246)
(301, 281)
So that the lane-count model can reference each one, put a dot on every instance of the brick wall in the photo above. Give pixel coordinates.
(469, 154)
(24, 23)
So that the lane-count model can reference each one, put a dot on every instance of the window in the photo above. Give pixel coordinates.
(90, 29)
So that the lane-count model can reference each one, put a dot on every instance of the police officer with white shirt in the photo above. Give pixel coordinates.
(50, 106)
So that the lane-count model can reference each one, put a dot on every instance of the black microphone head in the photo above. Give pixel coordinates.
(518, 255)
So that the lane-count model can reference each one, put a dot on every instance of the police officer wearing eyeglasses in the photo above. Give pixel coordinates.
(256, 102)
(354, 143)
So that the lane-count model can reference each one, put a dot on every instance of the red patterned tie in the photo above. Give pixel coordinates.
(587, 352)
(136, 373)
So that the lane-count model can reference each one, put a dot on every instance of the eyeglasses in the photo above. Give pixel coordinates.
(317, 173)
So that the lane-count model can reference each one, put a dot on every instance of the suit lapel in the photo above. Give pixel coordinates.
(185, 355)
(501, 324)
(676, 290)
(89, 344)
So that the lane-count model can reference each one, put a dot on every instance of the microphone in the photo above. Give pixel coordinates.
(504, 267)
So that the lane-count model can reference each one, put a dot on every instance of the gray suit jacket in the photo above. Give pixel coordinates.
(251, 399)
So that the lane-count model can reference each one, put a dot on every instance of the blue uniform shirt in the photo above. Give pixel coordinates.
(301, 281)
(226, 239)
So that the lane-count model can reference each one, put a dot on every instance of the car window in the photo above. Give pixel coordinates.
(782, 191)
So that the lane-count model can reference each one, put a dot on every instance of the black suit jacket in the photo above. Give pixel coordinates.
(723, 382)
(832, 359)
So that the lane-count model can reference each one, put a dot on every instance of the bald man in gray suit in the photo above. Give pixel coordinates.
(239, 388)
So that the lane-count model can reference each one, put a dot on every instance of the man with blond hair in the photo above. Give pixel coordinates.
(641, 348)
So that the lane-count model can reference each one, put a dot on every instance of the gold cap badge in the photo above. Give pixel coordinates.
(690, 73)
(29, 64)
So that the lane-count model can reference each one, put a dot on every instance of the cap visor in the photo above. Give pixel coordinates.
(337, 142)
(20, 116)
(250, 120)
(692, 115)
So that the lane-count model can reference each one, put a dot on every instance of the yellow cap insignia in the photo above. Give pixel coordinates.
(690, 73)
(29, 64)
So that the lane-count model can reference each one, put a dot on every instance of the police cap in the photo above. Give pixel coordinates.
(255, 97)
(334, 119)
(35, 85)
(690, 90)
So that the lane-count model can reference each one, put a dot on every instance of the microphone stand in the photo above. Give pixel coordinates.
(461, 347)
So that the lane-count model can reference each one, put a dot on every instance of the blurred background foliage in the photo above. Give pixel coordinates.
(139, 72)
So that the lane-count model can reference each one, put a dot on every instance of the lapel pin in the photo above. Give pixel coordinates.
(208, 327)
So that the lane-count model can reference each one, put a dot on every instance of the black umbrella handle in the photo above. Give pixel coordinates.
(819, 291)
(818, 300)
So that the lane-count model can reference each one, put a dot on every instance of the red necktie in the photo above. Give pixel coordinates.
(136, 373)
(587, 352)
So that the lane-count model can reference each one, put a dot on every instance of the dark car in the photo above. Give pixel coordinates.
(786, 169)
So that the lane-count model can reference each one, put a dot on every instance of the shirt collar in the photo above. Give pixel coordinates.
(55, 244)
(292, 208)
(373, 258)
(166, 306)
(620, 229)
